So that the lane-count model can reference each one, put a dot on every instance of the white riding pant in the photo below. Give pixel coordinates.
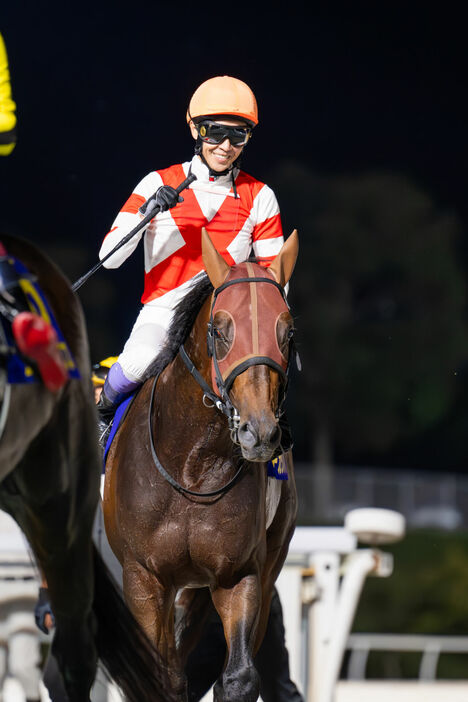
(149, 332)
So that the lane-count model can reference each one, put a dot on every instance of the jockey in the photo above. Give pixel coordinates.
(7, 106)
(238, 211)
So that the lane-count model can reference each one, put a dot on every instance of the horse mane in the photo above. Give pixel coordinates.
(183, 320)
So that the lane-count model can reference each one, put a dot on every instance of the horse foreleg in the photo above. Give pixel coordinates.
(278, 537)
(238, 608)
(272, 569)
(152, 605)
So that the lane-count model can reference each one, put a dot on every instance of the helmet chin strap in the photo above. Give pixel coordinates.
(216, 174)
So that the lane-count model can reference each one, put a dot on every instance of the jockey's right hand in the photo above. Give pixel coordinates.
(43, 612)
(165, 198)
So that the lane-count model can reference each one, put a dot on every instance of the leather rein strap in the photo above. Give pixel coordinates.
(177, 486)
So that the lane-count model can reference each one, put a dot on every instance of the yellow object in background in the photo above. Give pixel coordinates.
(101, 369)
(7, 106)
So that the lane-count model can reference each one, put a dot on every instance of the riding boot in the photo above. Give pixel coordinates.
(106, 409)
(117, 387)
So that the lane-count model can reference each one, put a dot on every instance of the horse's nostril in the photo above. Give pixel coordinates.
(275, 436)
(247, 435)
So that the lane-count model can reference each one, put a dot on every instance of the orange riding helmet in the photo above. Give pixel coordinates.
(224, 95)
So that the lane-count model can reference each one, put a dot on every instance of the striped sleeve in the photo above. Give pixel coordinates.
(126, 220)
(267, 234)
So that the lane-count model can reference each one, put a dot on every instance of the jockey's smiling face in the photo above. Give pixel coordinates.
(220, 157)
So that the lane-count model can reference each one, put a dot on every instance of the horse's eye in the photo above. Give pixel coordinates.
(218, 335)
(284, 343)
(223, 333)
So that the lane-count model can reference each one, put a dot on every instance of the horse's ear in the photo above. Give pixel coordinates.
(283, 265)
(215, 265)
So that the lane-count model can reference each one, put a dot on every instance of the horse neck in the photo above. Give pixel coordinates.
(196, 343)
(181, 388)
(198, 434)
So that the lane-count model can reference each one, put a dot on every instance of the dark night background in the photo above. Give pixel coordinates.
(102, 91)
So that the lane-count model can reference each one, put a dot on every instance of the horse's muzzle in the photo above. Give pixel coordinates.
(258, 441)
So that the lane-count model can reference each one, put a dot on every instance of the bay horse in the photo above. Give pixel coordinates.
(188, 506)
(50, 467)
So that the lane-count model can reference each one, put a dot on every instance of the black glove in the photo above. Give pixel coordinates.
(42, 608)
(164, 198)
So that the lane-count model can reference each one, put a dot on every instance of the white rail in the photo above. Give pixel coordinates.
(431, 647)
(401, 691)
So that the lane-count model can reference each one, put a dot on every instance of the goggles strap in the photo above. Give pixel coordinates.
(234, 189)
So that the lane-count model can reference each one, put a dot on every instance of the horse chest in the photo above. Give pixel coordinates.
(272, 498)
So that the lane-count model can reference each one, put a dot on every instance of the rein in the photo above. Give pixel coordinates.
(177, 486)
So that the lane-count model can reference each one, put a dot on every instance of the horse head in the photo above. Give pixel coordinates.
(249, 339)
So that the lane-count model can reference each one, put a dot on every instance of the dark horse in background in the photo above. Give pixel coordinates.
(50, 468)
(187, 502)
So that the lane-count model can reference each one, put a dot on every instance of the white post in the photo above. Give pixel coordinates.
(289, 586)
(326, 567)
(358, 567)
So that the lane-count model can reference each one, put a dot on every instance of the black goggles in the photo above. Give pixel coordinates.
(216, 133)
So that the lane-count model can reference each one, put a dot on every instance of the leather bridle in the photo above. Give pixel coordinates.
(222, 401)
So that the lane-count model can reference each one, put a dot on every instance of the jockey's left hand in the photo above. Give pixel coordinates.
(165, 198)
